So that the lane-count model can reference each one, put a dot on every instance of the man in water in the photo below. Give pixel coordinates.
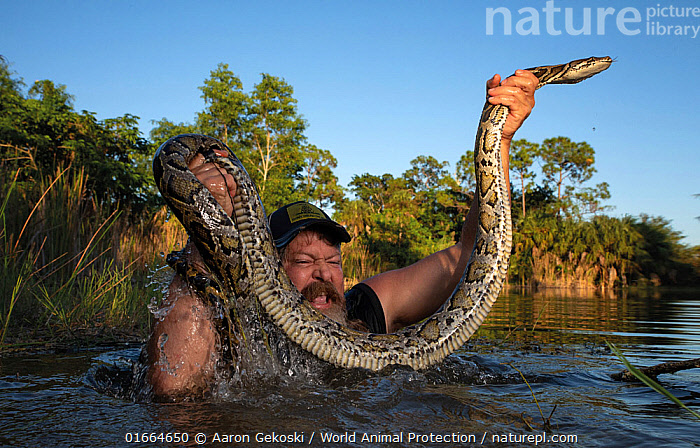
(182, 350)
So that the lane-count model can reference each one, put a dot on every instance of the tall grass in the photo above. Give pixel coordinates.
(70, 265)
(358, 263)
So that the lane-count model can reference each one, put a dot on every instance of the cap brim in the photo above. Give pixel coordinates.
(340, 233)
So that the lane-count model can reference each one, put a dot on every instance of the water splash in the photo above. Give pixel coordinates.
(159, 281)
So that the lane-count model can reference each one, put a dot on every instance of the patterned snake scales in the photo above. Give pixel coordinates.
(239, 250)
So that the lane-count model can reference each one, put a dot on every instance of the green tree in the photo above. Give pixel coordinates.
(661, 256)
(10, 87)
(464, 172)
(266, 132)
(401, 220)
(437, 194)
(566, 163)
(356, 216)
(426, 173)
(164, 129)
(372, 190)
(317, 180)
(540, 198)
(397, 233)
(13, 136)
(117, 160)
(41, 132)
(588, 200)
(226, 105)
(272, 138)
(48, 125)
(522, 156)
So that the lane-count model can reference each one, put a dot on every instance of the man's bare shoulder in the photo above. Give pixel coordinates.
(182, 349)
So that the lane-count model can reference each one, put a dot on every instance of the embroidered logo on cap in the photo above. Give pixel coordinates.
(299, 212)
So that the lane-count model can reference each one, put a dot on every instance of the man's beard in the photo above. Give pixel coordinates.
(337, 311)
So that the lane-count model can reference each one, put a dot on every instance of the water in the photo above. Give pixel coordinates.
(556, 341)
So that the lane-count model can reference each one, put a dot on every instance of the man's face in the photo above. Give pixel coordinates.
(314, 267)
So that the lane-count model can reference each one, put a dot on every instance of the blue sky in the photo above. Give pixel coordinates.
(381, 82)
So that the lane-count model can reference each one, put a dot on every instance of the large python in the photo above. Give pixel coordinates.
(239, 250)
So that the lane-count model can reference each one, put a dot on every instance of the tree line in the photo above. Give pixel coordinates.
(561, 233)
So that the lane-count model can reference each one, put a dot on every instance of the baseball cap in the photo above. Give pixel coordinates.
(286, 223)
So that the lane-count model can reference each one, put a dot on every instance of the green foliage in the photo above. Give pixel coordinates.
(587, 200)
(41, 131)
(426, 174)
(522, 156)
(81, 221)
(554, 245)
(266, 132)
(401, 220)
(317, 181)
(163, 129)
(117, 161)
(71, 264)
(465, 172)
(540, 198)
(50, 245)
(603, 252)
(226, 105)
(661, 257)
(372, 189)
(566, 165)
(272, 140)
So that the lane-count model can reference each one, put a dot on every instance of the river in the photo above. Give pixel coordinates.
(478, 397)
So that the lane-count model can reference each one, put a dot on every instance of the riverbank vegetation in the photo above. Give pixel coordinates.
(83, 230)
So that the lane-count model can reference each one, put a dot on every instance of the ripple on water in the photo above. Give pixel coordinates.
(476, 391)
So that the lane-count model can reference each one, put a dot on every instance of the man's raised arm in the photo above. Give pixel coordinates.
(413, 293)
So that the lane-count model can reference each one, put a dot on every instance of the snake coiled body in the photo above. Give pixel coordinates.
(240, 253)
